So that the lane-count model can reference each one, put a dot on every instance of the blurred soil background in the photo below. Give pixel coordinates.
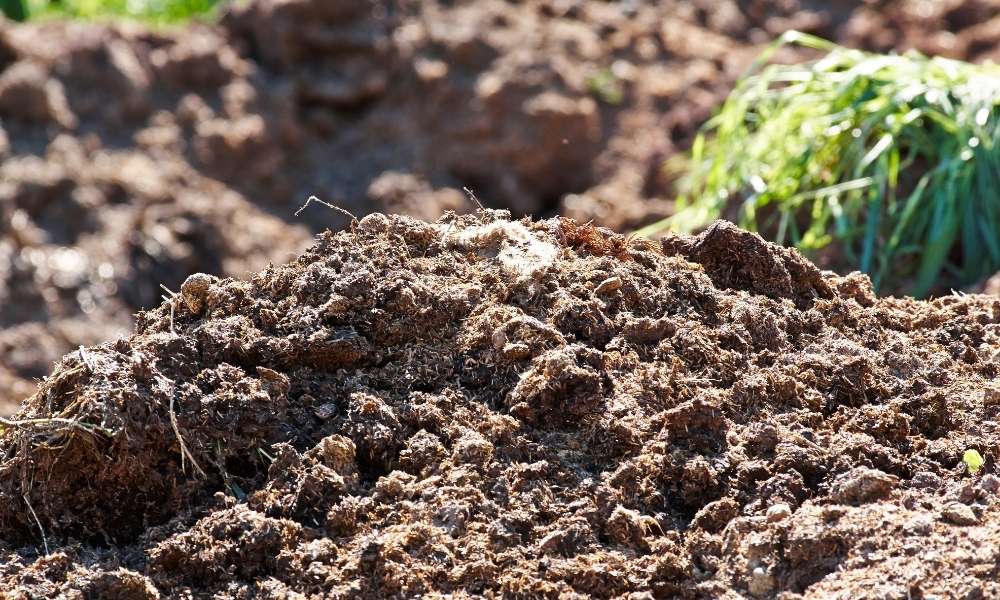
(133, 155)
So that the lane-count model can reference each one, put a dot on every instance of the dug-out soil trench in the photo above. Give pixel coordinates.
(131, 158)
(486, 407)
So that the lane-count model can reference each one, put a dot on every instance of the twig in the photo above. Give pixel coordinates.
(38, 521)
(266, 455)
(180, 440)
(312, 199)
(86, 361)
(22, 423)
(472, 196)
(173, 294)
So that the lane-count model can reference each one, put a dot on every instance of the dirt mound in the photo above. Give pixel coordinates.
(536, 409)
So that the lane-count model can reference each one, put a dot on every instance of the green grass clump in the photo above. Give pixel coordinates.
(155, 11)
(893, 159)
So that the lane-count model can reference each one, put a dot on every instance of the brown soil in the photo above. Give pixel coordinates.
(131, 158)
(484, 407)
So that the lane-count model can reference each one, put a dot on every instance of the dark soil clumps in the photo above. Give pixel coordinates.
(485, 407)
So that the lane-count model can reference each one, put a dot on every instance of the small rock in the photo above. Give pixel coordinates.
(958, 514)
(326, 410)
(778, 512)
(608, 285)
(761, 582)
(194, 290)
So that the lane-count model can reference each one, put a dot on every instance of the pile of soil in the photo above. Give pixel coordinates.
(131, 158)
(487, 407)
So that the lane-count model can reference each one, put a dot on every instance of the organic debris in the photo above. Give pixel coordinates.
(487, 407)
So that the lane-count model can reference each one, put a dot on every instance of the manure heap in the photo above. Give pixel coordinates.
(485, 407)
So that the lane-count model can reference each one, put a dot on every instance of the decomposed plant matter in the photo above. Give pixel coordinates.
(513, 409)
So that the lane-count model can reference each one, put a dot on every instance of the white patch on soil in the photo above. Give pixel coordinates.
(522, 253)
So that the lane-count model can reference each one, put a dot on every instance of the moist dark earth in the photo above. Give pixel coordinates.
(131, 158)
(486, 407)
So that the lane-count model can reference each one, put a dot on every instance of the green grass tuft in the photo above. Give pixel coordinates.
(153, 11)
(893, 160)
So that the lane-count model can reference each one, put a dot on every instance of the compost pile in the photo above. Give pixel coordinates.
(518, 408)
(131, 158)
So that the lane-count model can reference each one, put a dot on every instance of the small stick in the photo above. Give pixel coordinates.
(472, 196)
(312, 199)
(86, 361)
(180, 440)
(173, 294)
(38, 521)
(49, 421)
